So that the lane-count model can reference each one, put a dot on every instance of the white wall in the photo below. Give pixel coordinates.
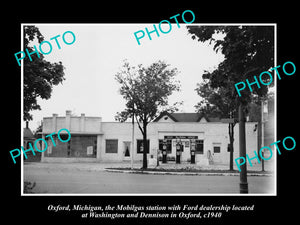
(213, 134)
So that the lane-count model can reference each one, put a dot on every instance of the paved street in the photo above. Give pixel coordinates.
(81, 181)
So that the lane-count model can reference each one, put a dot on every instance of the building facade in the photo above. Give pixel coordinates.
(93, 140)
(28, 140)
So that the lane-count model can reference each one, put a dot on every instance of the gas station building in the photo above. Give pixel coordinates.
(189, 136)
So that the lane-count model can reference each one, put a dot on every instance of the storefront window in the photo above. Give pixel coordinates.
(111, 146)
(140, 147)
(199, 147)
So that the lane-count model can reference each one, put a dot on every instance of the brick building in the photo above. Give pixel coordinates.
(95, 140)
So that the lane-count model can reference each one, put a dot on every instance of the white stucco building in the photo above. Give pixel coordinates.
(95, 140)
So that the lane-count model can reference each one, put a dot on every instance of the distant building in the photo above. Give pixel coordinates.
(269, 132)
(95, 140)
(30, 139)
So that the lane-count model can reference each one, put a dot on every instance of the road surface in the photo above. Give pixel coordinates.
(54, 181)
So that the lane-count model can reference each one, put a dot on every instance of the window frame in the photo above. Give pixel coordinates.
(216, 146)
(199, 142)
(117, 145)
(138, 145)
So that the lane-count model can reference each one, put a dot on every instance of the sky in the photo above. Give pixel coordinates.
(97, 54)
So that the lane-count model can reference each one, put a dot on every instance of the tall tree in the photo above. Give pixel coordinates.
(146, 91)
(39, 75)
(218, 102)
(248, 51)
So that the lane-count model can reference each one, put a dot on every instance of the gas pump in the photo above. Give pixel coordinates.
(178, 151)
(164, 151)
(193, 148)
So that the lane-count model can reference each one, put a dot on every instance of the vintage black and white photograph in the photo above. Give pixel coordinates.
(149, 109)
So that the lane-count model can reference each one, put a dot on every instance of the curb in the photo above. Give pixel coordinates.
(184, 173)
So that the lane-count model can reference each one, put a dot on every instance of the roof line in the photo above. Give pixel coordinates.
(165, 113)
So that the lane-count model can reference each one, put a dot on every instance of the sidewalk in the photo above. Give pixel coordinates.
(86, 166)
(171, 168)
(269, 167)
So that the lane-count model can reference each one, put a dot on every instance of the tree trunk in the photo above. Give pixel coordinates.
(231, 140)
(145, 144)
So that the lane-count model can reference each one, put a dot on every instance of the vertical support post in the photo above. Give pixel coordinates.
(262, 134)
(99, 147)
(132, 139)
(259, 138)
(231, 137)
(242, 140)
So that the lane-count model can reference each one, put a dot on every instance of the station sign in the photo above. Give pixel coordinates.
(180, 137)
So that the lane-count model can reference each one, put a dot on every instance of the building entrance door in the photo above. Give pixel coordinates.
(183, 146)
(126, 151)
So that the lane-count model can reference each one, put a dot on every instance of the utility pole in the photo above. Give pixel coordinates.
(262, 134)
(132, 138)
(242, 140)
